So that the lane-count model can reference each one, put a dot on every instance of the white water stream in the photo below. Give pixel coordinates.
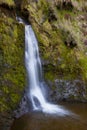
(34, 71)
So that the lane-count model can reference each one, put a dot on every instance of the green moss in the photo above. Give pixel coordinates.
(44, 6)
(83, 65)
(49, 76)
(12, 77)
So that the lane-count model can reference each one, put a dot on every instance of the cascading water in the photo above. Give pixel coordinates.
(34, 71)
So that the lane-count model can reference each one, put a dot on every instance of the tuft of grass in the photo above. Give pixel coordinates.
(8, 2)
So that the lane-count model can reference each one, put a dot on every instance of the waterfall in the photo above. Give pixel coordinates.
(34, 72)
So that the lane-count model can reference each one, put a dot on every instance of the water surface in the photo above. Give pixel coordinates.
(42, 121)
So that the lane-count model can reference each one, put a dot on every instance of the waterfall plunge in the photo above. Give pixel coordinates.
(34, 71)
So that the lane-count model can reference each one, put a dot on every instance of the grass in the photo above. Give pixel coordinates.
(8, 2)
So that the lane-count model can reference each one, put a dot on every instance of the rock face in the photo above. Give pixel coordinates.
(71, 91)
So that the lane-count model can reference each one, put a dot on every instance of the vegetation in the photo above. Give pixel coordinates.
(61, 30)
(12, 71)
(10, 3)
(61, 36)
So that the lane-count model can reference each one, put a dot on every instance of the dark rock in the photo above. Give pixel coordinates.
(51, 16)
(67, 4)
(18, 3)
(68, 90)
(85, 42)
(5, 121)
(70, 42)
(22, 108)
(64, 4)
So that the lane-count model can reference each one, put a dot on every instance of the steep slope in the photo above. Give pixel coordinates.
(60, 27)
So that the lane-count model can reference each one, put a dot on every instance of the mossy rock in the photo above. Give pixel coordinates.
(12, 70)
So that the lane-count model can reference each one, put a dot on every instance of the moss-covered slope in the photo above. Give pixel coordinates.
(12, 71)
(61, 29)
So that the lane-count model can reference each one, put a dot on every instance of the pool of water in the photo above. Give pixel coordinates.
(42, 121)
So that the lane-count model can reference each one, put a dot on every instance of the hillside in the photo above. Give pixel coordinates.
(61, 30)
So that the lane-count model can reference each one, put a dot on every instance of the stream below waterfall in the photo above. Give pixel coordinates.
(42, 121)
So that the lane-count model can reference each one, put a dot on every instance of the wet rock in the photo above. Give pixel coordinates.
(68, 91)
(22, 108)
